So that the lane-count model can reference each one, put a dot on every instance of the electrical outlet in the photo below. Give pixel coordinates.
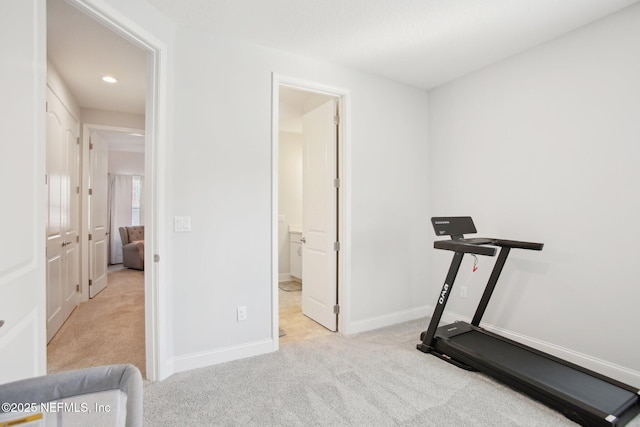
(463, 291)
(242, 313)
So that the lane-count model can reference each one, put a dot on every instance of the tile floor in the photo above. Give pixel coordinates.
(296, 325)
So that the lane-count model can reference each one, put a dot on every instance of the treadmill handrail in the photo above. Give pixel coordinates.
(457, 246)
(517, 244)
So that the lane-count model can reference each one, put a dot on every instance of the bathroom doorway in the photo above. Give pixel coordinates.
(308, 212)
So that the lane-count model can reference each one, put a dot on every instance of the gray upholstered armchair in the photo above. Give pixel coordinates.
(106, 395)
(132, 246)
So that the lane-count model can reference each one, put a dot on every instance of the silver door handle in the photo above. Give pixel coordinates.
(303, 240)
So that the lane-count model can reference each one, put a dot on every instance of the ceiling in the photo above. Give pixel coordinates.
(83, 50)
(423, 43)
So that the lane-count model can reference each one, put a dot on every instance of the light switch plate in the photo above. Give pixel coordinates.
(182, 224)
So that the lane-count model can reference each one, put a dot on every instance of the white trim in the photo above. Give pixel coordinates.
(287, 277)
(390, 319)
(344, 222)
(609, 369)
(284, 277)
(155, 141)
(220, 355)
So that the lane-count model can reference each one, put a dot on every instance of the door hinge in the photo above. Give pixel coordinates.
(336, 309)
(156, 258)
(78, 288)
(78, 140)
(46, 107)
(77, 190)
(90, 145)
(46, 179)
(77, 239)
(336, 182)
(336, 119)
(91, 191)
(90, 236)
(336, 246)
(90, 282)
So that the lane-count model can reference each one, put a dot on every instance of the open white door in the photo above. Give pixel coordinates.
(98, 226)
(63, 206)
(22, 172)
(319, 215)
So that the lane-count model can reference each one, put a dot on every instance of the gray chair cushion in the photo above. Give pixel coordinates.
(82, 385)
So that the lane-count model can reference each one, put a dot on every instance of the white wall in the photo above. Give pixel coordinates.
(215, 165)
(289, 194)
(126, 163)
(60, 88)
(221, 173)
(112, 118)
(545, 147)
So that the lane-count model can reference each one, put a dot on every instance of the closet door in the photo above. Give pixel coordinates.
(62, 214)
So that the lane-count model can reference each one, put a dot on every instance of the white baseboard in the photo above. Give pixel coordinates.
(620, 373)
(387, 320)
(284, 277)
(221, 355)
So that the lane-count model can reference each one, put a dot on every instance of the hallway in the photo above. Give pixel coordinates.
(105, 330)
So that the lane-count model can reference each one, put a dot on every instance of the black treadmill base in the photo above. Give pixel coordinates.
(583, 396)
(426, 349)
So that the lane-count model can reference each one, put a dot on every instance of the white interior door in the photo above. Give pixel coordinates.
(99, 230)
(319, 215)
(62, 266)
(22, 170)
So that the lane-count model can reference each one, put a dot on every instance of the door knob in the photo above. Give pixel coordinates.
(303, 240)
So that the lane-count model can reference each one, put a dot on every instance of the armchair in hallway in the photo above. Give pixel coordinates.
(132, 246)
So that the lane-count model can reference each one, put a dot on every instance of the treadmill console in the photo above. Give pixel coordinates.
(455, 226)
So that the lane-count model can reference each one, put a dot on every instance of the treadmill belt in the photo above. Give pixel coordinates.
(595, 392)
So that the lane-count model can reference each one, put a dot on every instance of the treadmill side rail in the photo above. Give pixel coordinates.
(462, 247)
(518, 245)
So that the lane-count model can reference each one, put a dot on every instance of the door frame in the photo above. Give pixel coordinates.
(156, 329)
(344, 196)
(87, 128)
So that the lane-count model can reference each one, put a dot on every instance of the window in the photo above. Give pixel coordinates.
(136, 202)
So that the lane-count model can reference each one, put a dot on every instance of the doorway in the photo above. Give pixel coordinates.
(308, 209)
(126, 121)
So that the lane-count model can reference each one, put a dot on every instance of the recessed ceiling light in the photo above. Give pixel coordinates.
(109, 79)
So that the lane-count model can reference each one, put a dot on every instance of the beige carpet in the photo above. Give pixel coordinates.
(105, 330)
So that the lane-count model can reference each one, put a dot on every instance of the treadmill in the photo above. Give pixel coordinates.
(582, 395)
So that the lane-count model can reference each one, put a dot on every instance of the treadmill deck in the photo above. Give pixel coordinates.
(538, 370)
